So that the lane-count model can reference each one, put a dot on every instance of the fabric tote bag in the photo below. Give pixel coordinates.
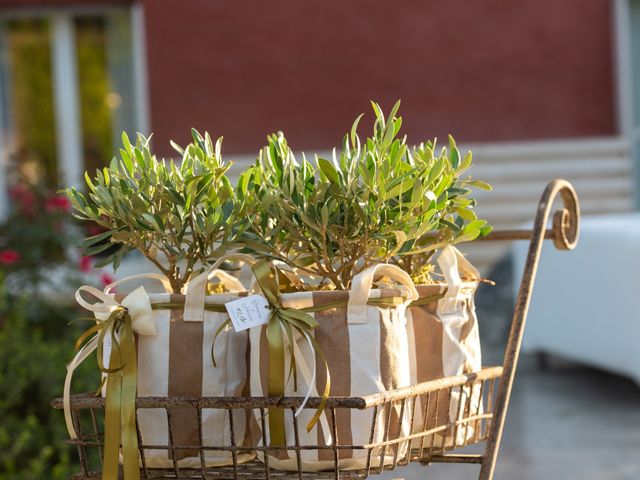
(174, 335)
(363, 345)
(444, 341)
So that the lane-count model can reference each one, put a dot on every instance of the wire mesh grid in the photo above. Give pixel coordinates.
(417, 423)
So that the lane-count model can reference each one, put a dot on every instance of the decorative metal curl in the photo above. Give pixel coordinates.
(566, 222)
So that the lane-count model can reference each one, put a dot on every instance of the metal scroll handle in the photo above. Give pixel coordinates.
(564, 232)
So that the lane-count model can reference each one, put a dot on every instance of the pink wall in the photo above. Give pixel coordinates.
(486, 70)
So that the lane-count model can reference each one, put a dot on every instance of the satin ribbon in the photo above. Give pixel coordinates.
(115, 323)
(120, 398)
(283, 322)
(310, 378)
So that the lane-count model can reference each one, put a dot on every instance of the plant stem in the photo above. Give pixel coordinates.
(167, 272)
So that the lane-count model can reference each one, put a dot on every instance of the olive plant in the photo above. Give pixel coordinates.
(457, 220)
(180, 215)
(377, 200)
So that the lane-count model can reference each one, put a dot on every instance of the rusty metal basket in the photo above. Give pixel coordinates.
(440, 432)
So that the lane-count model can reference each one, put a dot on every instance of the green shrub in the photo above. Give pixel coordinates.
(377, 200)
(180, 215)
(37, 280)
(35, 346)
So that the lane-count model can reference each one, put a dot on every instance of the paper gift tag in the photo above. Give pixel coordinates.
(248, 312)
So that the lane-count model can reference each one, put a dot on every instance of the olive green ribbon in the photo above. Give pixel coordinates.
(120, 398)
(284, 321)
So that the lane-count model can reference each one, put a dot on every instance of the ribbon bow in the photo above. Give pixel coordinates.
(283, 321)
(115, 326)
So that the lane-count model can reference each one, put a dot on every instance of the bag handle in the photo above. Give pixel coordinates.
(105, 304)
(106, 301)
(196, 289)
(154, 276)
(451, 263)
(362, 284)
(231, 283)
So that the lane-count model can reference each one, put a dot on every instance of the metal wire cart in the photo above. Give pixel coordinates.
(436, 440)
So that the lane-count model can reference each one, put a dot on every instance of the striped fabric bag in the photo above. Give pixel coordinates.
(174, 335)
(444, 341)
(364, 344)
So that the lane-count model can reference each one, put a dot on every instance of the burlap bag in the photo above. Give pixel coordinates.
(444, 341)
(366, 352)
(174, 336)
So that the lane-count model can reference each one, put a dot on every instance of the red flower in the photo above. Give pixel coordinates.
(16, 192)
(24, 197)
(106, 279)
(9, 257)
(57, 203)
(84, 264)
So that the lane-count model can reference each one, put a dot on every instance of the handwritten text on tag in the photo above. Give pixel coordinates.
(248, 312)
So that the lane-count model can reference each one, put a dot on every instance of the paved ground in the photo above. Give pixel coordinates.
(567, 422)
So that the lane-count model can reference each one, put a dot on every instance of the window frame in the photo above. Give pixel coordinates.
(65, 84)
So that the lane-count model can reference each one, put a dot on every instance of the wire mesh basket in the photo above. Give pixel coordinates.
(396, 437)
(440, 430)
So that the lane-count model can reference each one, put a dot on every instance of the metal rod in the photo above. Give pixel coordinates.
(89, 401)
(505, 235)
(510, 235)
(566, 225)
(456, 458)
(432, 385)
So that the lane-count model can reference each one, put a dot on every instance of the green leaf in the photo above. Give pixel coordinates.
(480, 184)
(394, 110)
(399, 187)
(324, 211)
(126, 143)
(92, 240)
(327, 168)
(450, 225)
(103, 262)
(474, 226)
(99, 248)
(455, 158)
(435, 172)
(466, 162)
(354, 129)
(378, 111)
(401, 238)
(467, 214)
(176, 147)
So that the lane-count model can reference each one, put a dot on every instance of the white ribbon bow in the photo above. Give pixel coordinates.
(137, 304)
